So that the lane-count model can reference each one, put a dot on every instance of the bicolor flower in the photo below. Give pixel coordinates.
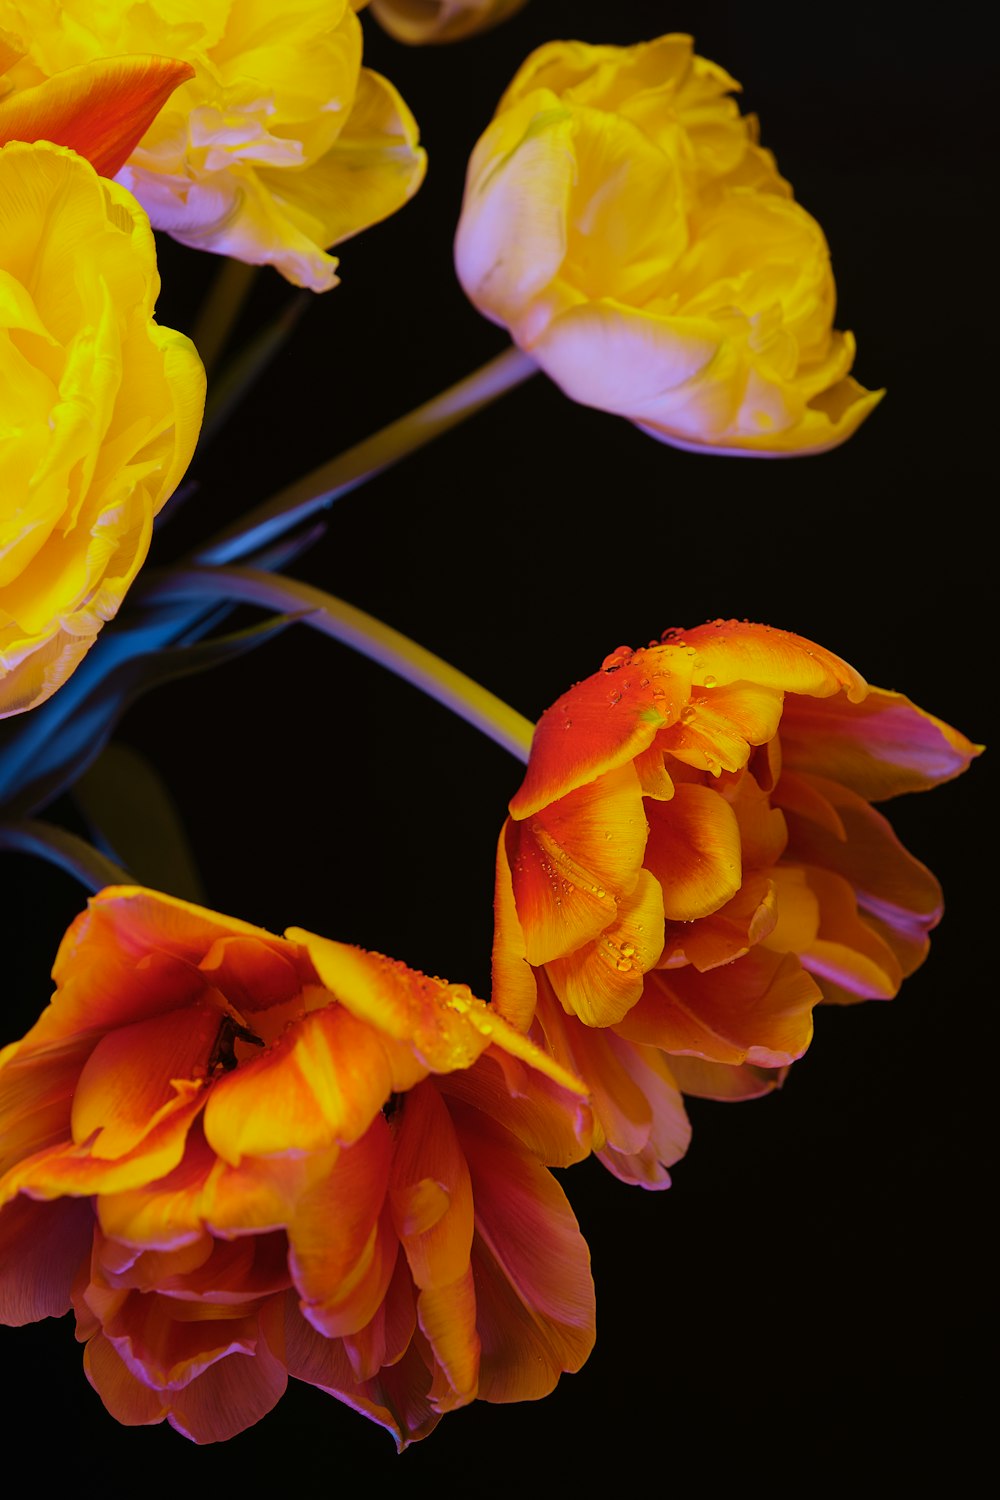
(281, 144)
(244, 1157)
(100, 415)
(693, 860)
(621, 220)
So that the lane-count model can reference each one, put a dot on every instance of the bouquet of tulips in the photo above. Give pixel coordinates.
(245, 1151)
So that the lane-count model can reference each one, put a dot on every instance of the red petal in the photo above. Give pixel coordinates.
(127, 1399)
(101, 109)
(602, 724)
(427, 1151)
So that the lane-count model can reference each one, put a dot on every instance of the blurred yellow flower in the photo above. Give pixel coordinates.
(280, 146)
(419, 21)
(623, 222)
(100, 413)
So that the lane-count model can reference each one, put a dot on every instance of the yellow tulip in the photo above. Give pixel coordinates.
(622, 221)
(100, 412)
(418, 21)
(280, 146)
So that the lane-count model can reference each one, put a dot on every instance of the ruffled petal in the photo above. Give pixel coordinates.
(572, 861)
(342, 1248)
(848, 957)
(429, 1190)
(534, 1291)
(757, 1010)
(513, 989)
(694, 852)
(728, 933)
(547, 1110)
(236, 1392)
(709, 1080)
(128, 1399)
(602, 980)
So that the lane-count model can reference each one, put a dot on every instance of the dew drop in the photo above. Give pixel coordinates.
(711, 681)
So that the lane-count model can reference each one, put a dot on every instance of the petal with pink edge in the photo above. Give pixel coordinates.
(758, 1009)
(879, 748)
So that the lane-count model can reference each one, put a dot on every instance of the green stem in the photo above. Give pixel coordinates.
(219, 312)
(344, 473)
(70, 852)
(356, 629)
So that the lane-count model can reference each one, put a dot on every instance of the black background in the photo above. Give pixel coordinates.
(811, 1294)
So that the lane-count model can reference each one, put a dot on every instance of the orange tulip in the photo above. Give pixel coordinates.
(693, 861)
(244, 1157)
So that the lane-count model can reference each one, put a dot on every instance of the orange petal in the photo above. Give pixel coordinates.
(166, 1349)
(534, 1291)
(36, 1093)
(513, 990)
(100, 110)
(437, 1026)
(128, 1399)
(602, 724)
(757, 1010)
(670, 1132)
(694, 852)
(718, 728)
(601, 981)
(254, 974)
(889, 883)
(428, 1169)
(447, 1317)
(130, 1082)
(236, 1392)
(68, 1170)
(552, 1121)
(848, 957)
(763, 832)
(708, 1080)
(342, 1249)
(738, 651)
(879, 748)
(397, 1399)
(797, 905)
(386, 1338)
(573, 860)
(322, 1083)
(798, 794)
(42, 1245)
(728, 933)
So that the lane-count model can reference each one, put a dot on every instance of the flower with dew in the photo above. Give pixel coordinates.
(278, 147)
(622, 221)
(101, 411)
(243, 1157)
(693, 860)
(420, 21)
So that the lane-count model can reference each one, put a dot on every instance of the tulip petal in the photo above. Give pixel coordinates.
(728, 933)
(538, 1107)
(694, 852)
(234, 1393)
(709, 1080)
(848, 957)
(889, 883)
(574, 860)
(320, 1084)
(129, 1400)
(427, 1151)
(734, 651)
(132, 1079)
(447, 1317)
(757, 1010)
(36, 1094)
(602, 724)
(718, 728)
(879, 748)
(100, 109)
(534, 1289)
(385, 1340)
(342, 1251)
(397, 1399)
(42, 1245)
(670, 1133)
(602, 980)
(513, 988)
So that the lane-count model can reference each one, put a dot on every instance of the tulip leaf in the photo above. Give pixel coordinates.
(133, 817)
(30, 782)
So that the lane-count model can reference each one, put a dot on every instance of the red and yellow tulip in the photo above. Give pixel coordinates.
(693, 860)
